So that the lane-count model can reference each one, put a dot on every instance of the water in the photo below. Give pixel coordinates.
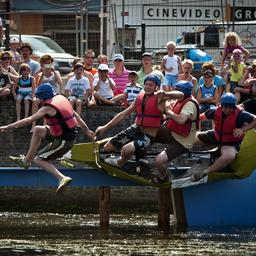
(129, 234)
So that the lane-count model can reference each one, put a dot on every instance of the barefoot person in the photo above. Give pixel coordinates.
(61, 131)
(149, 106)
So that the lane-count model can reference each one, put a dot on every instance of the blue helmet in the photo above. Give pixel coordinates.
(228, 100)
(185, 87)
(44, 91)
(153, 78)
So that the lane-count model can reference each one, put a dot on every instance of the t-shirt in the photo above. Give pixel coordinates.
(120, 80)
(190, 110)
(77, 87)
(4, 80)
(104, 87)
(236, 76)
(243, 117)
(142, 75)
(217, 81)
(132, 91)
(34, 66)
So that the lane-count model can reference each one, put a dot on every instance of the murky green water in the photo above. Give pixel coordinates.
(73, 234)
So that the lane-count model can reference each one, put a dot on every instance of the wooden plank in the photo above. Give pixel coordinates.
(164, 206)
(179, 209)
(104, 206)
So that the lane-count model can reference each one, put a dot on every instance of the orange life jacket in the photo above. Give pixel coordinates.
(66, 111)
(147, 114)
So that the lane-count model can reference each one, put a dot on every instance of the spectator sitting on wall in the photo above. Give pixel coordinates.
(14, 45)
(187, 67)
(104, 86)
(5, 83)
(6, 58)
(78, 89)
(26, 52)
(148, 68)
(119, 74)
(89, 57)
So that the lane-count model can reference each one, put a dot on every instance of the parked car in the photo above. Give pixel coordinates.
(44, 45)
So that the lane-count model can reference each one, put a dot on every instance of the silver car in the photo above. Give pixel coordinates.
(44, 45)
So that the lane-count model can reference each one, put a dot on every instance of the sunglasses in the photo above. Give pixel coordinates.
(118, 60)
(5, 58)
(89, 57)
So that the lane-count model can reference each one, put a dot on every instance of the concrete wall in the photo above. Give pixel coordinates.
(16, 142)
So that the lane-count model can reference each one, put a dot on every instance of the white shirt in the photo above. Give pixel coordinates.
(78, 87)
(172, 62)
(104, 87)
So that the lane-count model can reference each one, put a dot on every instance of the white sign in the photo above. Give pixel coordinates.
(151, 12)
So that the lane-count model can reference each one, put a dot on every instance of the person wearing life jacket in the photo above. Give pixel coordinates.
(231, 123)
(149, 106)
(180, 131)
(60, 131)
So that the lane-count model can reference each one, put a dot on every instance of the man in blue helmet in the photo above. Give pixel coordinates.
(180, 131)
(231, 123)
(60, 131)
(149, 107)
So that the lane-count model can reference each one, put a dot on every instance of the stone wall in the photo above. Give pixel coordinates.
(16, 141)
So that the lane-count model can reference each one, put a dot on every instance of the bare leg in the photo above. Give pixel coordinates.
(26, 103)
(161, 162)
(78, 106)
(49, 167)
(228, 153)
(39, 132)
(126, 153)
(18, 107)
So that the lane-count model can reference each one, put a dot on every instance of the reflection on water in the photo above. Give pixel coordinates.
(74, 234)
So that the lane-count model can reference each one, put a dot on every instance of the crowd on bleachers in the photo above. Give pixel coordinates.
(89, 84)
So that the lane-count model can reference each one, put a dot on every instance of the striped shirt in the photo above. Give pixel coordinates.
(120, 80)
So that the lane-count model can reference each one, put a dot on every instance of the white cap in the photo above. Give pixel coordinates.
(14, 40)
(103, 67)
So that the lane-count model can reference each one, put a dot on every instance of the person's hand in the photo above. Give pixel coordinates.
(100, 130)
(3, 128)
(238, 132)
(90, 134)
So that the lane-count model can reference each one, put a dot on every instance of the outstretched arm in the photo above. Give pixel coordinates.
(84, 127)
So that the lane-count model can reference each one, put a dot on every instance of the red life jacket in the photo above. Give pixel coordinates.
(183, 129)
(65, 109)
(147, 114)
(224, 127)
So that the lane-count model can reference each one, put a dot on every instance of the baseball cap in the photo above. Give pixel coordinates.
(149, 54)
(133, 72)
(14, 40)
(103, 67)
(208, 72)
(118, 56)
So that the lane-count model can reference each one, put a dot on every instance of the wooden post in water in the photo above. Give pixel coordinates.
(179, 208)
(104, 206)
(164, 206)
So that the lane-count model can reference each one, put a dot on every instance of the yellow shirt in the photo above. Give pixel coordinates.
(236, 76)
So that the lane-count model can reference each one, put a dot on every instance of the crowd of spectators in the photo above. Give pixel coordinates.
(92, 82)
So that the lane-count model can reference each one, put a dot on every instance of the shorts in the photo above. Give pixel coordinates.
(170, 80)
(208, 138)
(205, 107)
(24, 96)
(173, 147)
(250, 106)
(55, 149)
(74, 98)
(233, 85)
(132, 133)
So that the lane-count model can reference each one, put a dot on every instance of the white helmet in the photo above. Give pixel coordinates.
(14, 40)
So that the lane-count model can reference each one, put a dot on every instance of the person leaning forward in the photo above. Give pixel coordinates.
(149, 106)
(61, 131)
(231, 123)
(180, 131)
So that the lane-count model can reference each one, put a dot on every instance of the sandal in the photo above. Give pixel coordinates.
(198, 176)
